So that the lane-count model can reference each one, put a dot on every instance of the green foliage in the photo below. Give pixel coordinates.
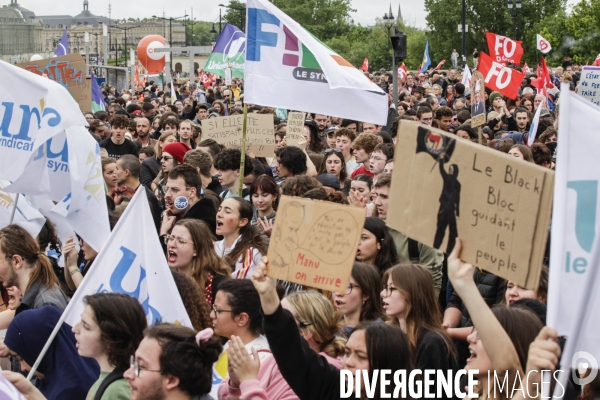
(325, 19)
(485, 16)
(235, 14)
(201, 33)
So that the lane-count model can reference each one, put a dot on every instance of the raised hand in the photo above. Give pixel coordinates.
(243, 365)
(266, 225)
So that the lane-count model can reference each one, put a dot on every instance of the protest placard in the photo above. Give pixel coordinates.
(260, 132)
(295, 128)
(70, 72)
(589, 86)
(314, 242)
(477, 100)
(498, 205)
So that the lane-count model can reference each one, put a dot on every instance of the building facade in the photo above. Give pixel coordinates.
(23, 34)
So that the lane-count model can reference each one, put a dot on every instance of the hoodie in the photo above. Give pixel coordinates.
(67, 375)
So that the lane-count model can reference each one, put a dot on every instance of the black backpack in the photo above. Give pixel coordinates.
(111, 378)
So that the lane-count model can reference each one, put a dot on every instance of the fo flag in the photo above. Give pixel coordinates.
(439, 66)
(132, 262)
(365, 65)
(499, 77)
(542, 44)
(503, 49)
(573, 298)
(402, 72)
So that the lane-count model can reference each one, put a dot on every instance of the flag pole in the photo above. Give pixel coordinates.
(12, 215)
(241, 185)
(45, 349)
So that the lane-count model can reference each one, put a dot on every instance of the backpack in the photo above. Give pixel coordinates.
(110, 379)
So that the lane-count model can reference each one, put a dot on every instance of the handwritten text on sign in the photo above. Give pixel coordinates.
(498, 205)
(295, 128)
(590, 84)
(260, 132)
(314, 243)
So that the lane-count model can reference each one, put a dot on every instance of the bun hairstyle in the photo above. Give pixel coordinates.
(187, 355)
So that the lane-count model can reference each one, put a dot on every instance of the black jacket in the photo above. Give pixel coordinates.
(492, 290)
(149, 170)
(309, 375)
(204, 210)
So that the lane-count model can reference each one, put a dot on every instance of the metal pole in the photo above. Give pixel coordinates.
(87, 51)
(395, 82)
(133, 69)
(12, 215)
(220, 28)
(105, 44)
(241, 184)
(464, 33)
(389, 40)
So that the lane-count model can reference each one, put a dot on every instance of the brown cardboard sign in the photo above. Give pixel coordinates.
(295, 128)
(477, 100)
(70, 72)
(444, 187)
(260, 132)
(314, 242)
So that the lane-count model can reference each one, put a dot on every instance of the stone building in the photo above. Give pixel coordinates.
(20, 33)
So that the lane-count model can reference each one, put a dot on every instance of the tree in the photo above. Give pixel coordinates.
(199, 33)
(582, 39)
(325, 19)
(236, 14)
(482, 16)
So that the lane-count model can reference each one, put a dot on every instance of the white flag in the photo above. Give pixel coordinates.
(32, 110)
(534, 125)
(575, 228)
(73, 179)
(466, 80)
(173, 93)
(26, 215)
(132, 262)
(287, 67)
(542, 44)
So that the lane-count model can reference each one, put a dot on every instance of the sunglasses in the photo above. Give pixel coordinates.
(330, 150)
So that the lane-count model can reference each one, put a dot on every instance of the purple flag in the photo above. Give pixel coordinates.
(63, 46)
(97, 97)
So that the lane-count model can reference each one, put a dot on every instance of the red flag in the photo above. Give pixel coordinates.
(439, 66)
(543, 81)
(499, 77)
(402, 72)
(503, 49)
(526, 68)
(365, 66)
(596, 61)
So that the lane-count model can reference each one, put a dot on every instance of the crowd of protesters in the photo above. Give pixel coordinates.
(408, 306)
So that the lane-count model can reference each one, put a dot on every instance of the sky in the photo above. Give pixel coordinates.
(365, 14)
(413, 11)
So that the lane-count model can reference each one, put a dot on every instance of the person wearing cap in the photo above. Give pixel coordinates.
(330, 182)
(419, 92)
(330, 136)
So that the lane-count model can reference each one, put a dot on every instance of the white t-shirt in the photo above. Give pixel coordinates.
(220, 367)
(245, 264)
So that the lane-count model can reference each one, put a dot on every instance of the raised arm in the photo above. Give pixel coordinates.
(496, 341)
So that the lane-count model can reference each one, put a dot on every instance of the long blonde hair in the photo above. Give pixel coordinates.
(316, 312)
(161, 140)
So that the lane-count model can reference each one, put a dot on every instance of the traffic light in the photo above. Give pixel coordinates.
(399, 45)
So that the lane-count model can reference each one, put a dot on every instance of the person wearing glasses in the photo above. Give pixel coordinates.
(110, 330)
(382, 153)
(361, 302)
(151, 166)
(236, 312)
(334, 164)
(190, 251)
(409, 298)
(318, 324)
(172, 156)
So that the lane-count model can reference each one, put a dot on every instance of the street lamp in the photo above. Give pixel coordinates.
(171, 26)
(513, 13)
(389, 22)
(241, 10)
(126, 29)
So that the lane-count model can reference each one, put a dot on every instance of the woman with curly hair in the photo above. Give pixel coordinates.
(198, 309)
(111, 329)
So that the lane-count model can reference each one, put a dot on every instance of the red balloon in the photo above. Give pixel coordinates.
(153, 61)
